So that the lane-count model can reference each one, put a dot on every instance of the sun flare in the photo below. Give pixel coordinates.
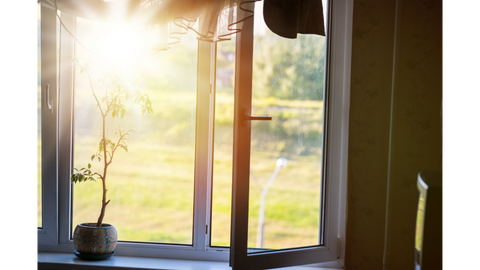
(121, 44)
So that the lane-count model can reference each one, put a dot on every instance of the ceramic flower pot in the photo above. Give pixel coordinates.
(89, 240)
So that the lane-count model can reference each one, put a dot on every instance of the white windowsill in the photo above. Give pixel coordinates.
(52, 261)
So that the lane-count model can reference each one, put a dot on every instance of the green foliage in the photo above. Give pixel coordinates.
(83, 175)
(289, 68)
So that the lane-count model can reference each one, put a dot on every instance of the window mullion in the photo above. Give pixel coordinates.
(65, 127)
(211, 135)
(241, 143)
(201, 146)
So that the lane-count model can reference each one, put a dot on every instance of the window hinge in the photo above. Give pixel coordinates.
(339, 242)
(206, 229)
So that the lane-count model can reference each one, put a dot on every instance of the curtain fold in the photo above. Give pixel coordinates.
(286, 18)
(212, 20)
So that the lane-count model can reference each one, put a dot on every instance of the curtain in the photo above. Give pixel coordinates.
(212, 20)
(286, 18)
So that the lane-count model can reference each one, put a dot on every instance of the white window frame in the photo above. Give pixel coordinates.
(48, 233)
(54, 236)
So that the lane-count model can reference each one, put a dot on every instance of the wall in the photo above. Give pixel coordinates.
(395, 126)
(372, 67)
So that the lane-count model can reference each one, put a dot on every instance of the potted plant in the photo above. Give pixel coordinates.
(98, 240)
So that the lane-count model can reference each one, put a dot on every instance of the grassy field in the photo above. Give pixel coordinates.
(151, 186)
(292, 204)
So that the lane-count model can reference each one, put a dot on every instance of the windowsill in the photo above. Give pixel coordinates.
(52, 261)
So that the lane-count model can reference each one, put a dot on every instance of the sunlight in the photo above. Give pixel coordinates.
(122, 44)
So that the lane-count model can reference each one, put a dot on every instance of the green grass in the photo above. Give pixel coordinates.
(151, 187)
(292, 208)
(154, 193)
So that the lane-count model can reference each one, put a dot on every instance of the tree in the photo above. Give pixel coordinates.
(289, 68)
(110, 104)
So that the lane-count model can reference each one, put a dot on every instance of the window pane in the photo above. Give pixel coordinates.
(286, 152)
(151, 185)
(39, 128)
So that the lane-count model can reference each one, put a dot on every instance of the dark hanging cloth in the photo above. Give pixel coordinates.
(286, 18)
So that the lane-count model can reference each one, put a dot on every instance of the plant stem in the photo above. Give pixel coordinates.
(104, 197)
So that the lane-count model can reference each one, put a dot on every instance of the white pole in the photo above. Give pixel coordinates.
(281, 162)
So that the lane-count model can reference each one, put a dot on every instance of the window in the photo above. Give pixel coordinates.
(151, 186)
(177, 151)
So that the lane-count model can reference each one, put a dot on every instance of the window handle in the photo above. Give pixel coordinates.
(253, 117)
(247, 117)
(48, 101)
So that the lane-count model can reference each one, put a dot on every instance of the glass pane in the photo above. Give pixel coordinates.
(286, 152)
(39, 127)
(223, 139)
(288, 85)
(151, 185)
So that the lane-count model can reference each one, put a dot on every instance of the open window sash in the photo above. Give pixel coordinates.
(329, 230)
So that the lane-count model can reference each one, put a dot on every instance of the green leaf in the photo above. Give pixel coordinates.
(93, 156)
(89, 165)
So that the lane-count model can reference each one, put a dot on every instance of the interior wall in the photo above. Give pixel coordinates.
(395, 126)
(416, 130)
(371, 85)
